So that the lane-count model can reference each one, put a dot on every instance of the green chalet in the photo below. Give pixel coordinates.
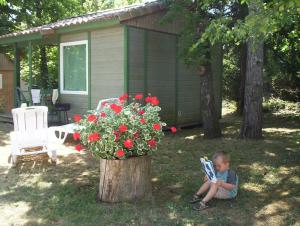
(107, 53)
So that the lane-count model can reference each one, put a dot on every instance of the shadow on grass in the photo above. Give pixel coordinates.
(5, 128)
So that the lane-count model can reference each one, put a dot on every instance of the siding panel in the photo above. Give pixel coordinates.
(162, 71)
(107, 63)
(136, 61)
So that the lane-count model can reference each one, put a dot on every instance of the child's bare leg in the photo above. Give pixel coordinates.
(211, 193)
(203, 188)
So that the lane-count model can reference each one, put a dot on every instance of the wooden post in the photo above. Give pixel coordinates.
(30, 70)
(16, 80)
(125, 180)
(89, 71)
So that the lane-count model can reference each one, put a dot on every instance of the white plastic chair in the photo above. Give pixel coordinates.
(30, 130)
(105, 102)
(36, 96)
(61, 132)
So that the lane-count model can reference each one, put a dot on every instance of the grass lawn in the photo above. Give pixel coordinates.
(38, 193)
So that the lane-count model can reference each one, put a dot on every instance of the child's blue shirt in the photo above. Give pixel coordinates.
(229, 176)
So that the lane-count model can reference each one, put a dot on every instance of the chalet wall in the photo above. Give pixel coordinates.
(137, 60)
(107, 67)
(153, 68)
(189, 108)
(7, 90)
(162, 71)
(79, 103)
(107, 63)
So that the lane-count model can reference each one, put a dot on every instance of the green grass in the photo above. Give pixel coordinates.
(268, 171)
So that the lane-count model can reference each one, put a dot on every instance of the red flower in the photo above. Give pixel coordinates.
(76, 136)
(123, 97)
(148, 99)
(78, 147)
(116, 108)
(136, 135)
(92, 118)
(152, 143)
(156, 126)
(141, 112)
(142, 120)
(117, 136)
(173, 129)
(128, 144)
(120, 153)
(138, 96)
(77, 118)
(103, 103)
(94, 137)
(103, 115)
(154, 101)
(122, 128)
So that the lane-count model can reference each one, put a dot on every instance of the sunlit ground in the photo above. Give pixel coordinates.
(38, 193)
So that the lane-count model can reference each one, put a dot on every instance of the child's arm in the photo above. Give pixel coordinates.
(227, 186)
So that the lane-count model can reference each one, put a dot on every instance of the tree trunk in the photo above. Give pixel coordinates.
(210, 117)
(242, 13)
(216, 56)
(243, 67)
(252, 119)
(125, 180)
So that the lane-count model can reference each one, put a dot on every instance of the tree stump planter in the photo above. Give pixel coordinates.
(125, 180)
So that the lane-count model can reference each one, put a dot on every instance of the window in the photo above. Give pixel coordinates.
(74, 67)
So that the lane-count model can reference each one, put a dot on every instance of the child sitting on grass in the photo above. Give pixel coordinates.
(225, 187)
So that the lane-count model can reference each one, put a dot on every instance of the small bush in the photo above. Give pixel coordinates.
(278, 105)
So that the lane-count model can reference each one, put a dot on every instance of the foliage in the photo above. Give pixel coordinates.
(278, 105)
(95, 5)
(122, 131)
(283, 61)
(231, 75)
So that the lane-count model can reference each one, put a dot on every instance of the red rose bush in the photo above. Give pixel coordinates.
(122, 130)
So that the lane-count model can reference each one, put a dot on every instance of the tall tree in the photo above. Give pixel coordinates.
(252, 117)
(271, 16)
(242, 12)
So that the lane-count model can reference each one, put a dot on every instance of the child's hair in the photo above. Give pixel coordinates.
(223, 155)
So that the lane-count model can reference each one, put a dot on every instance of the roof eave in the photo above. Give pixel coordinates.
(89, 26)
(39, 35)
(21, 38)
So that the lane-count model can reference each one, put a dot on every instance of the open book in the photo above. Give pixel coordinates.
(208, 169)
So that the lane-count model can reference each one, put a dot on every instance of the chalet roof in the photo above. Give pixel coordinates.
(120, 14)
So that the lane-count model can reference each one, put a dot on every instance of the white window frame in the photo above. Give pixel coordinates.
(1, 81)
(62, 45)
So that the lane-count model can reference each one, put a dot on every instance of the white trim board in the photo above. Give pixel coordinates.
(62, 45)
